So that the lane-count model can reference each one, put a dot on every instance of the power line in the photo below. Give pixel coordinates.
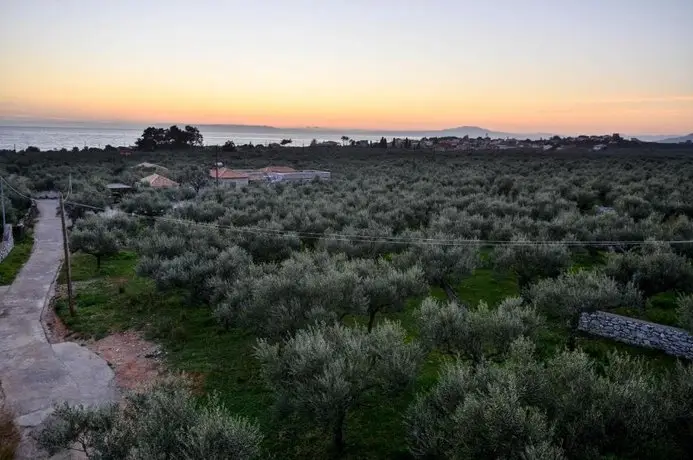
(14, 189)
(392, 239)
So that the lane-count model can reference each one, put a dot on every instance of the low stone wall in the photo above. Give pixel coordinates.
(7, 242)
(673, 341)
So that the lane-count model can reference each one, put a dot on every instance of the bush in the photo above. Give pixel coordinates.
(477, 333)
(322, 372)
(656, 269)
(165, 422)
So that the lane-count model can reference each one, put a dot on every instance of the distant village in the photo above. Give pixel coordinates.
(466, 143)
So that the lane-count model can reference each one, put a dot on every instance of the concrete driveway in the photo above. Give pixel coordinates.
(34, 374)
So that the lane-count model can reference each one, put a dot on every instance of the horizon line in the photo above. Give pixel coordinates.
(47, 122)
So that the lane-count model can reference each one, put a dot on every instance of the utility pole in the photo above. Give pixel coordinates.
(216, 164)
(2, 197)
(68, 268)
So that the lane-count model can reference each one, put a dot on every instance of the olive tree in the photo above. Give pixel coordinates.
(92, 235)
(475, 333)
(274, 300)
(323, 372)
(476, 412)
(386, 288)
(194, 176)
(165, 422)
(656, 268)
(442, 264)
(149, 203)
(526, 408)
(532, 260)
(572, 294)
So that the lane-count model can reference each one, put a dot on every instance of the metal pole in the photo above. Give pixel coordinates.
(68, 268)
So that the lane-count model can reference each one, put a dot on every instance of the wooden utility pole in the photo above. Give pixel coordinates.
(216, 164)
(68, 268)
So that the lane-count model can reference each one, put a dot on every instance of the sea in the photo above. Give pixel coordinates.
(58, 137)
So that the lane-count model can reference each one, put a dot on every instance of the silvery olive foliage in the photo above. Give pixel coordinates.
(442, 263)
(277, 259)
(98, 236)
(385, 287)
(165, 422)
(531, 262)
(149, 203)
(179, 255)
(276, 299)
(563, 408)
(324, 371)
(654, 268)
(574, 293)
(476, 333)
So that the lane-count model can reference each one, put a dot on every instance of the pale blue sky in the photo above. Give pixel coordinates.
(547, 65)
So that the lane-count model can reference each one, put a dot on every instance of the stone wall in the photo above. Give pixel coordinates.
(671, 340)
(7, 242)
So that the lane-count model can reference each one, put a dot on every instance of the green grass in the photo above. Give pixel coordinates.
(660, 308)
(16, 259)
(194, 342)
(84, 266)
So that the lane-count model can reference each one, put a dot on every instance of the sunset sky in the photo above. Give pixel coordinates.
(563, 66)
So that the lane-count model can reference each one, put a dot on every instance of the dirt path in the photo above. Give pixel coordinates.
(35, 374)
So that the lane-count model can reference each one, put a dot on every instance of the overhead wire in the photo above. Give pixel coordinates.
(341, 237)
(391, 239)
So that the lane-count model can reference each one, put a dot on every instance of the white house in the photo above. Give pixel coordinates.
(298, 176)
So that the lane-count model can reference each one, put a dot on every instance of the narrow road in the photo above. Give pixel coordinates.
(34, 374)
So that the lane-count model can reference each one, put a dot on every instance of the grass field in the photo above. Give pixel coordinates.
(118, 300)
(16, 259)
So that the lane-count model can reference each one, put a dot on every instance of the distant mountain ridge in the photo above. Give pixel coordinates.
(460, 131)
(307, 131)
(675, 140)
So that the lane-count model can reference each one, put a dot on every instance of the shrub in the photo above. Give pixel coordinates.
(324, 371)
(532, 260)
(477, 333)
(165, 422)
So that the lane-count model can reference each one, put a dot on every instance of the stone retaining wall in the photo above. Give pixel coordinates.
(671, 340)
(7, 242)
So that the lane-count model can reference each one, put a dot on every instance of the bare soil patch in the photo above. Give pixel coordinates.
(135, 361)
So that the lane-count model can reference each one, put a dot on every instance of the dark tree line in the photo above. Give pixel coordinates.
(156, 138)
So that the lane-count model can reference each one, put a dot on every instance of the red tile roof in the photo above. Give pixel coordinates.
(157, 181)
(226, 173)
